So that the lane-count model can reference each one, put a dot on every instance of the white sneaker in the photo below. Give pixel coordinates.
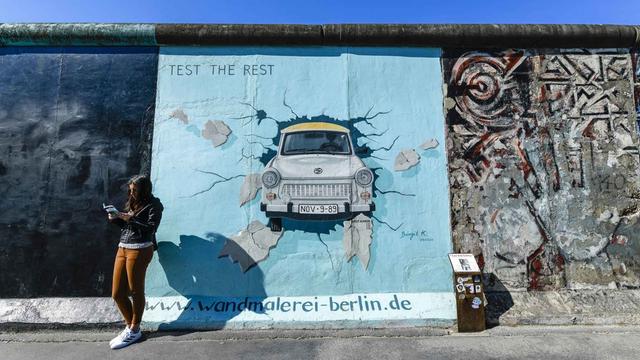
(120, 336)
(129, 338)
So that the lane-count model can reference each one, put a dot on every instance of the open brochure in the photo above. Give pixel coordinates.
(110, 209)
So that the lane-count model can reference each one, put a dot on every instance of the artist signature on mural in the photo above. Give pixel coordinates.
(421, 235)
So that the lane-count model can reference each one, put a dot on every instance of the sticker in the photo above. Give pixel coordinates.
(476, 302)
(460, 280)
(476, 278)
(460, 288)
(471, 290)
(478, 289)
(463, 263)
(461, 296)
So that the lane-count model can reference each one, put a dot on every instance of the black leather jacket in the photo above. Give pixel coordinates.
(143, 224)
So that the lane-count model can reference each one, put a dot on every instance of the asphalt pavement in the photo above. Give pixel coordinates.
(523, 342)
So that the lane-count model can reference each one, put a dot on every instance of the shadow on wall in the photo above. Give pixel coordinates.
(499, 300)
(216, 288)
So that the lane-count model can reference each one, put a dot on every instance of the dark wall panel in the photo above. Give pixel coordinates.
(75, 124)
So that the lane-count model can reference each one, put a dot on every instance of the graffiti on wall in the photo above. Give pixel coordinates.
(314, 172)
(305, 180)
(543, 165)
(635, 58)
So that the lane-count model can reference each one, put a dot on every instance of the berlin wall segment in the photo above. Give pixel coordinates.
(307, 183)
(543, 161)
(542, 155)
(76, 123)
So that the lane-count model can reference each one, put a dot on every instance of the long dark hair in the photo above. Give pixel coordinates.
(142, 185)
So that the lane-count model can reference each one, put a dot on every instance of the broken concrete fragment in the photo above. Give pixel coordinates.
(406, 159)
(430, 144)
(180, 115)
(250, 246)
(357, 238)
(216, 131)
(250, 188)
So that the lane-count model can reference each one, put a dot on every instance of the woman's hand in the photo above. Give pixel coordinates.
(112, 216)
(125, 216)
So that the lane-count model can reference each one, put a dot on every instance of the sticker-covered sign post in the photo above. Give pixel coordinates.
(470, 300)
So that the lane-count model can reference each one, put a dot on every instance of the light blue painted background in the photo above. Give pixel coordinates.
(337, 82)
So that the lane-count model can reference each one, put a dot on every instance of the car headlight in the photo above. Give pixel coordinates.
(364, 177)
(270, 178)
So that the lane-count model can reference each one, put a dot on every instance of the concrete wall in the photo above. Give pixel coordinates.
(543, 150)
(391, 101)
(539, 146)
(75, 125)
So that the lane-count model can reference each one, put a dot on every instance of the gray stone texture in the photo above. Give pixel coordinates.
(535, 342)
(543, 159)
(62, 311)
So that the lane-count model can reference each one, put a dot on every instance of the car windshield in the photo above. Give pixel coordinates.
(316, 142)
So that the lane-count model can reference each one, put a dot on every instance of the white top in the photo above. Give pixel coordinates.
(136, 245)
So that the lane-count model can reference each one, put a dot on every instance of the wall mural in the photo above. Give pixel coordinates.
(302, 172)
(543, 156)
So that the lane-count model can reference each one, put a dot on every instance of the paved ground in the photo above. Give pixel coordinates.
(525, 342)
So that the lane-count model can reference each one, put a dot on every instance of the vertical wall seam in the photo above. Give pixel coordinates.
(154, 101)
(52, 144)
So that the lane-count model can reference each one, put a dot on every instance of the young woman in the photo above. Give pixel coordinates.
(135, 250)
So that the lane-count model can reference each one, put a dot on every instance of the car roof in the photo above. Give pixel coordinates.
(311, 126)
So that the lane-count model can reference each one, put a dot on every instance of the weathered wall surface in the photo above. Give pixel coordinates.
(541, 147)
(75, 124)
(220, 113)
(543, 159)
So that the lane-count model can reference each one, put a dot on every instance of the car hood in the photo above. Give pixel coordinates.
(305, 166)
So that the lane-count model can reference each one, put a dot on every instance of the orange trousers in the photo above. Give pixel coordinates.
(129, 271)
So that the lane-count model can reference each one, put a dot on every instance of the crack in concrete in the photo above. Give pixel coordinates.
(328, 252)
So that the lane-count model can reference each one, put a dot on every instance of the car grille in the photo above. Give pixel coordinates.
(304, 191)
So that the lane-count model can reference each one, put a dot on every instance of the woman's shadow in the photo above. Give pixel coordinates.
(216, 288)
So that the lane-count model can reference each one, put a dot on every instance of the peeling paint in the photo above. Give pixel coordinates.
(216, 131)
(180, 115)
(543, 155)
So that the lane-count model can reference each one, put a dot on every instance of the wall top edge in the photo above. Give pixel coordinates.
(429, 35)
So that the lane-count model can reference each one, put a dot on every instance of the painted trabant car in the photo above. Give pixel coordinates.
(315, 175)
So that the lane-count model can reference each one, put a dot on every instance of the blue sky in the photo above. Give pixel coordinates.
(328, 11)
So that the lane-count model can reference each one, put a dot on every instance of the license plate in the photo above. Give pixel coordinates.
(317, 209)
